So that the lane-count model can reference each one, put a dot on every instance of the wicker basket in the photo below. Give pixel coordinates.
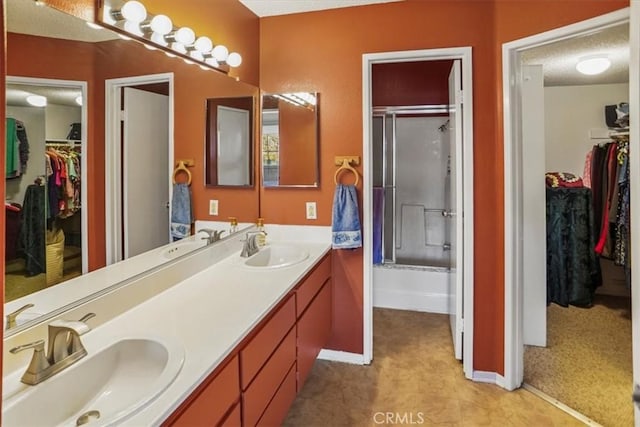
(55, 256)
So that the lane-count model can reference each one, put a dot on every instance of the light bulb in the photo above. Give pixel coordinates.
(203, 44)
(185, 35)
(79, 99)
(592, 65)
(212, 61)
(37, 100)
(178, 47)
(133, 28)
(161, 24)
(158, 39)
(196, 55)
(134, 11)
(234, 59)
(220, 52)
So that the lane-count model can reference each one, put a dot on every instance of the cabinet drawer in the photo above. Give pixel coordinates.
(258, 350)
(256, 398)
(279, 406)
(314, 329)
(312, 284)
(212, 403)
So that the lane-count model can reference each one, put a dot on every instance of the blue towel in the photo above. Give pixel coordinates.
(181, 213)
(378, 212)
(345, 218)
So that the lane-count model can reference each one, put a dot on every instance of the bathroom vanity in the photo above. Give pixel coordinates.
(230, 341)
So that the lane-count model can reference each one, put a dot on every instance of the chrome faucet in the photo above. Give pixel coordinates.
(213, 235)
(13, 316)
(64, 349)
(250, 246)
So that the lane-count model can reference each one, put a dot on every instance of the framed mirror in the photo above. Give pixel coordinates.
(289, 140)
(229, 142)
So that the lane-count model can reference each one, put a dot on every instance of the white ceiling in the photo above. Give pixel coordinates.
(284, 7)
(17, 93)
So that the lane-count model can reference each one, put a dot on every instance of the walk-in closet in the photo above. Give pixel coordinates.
(582, 358)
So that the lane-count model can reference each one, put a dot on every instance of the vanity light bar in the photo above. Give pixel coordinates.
(301, 99)
(132, 19)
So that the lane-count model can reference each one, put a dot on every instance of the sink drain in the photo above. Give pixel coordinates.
(87, 417)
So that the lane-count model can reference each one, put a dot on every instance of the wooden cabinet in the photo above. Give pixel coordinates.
(211, 402)
(260, 381)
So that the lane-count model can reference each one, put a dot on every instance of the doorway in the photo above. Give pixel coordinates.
(526, 305)
(46, 223)
(139, 159)
(381, 170)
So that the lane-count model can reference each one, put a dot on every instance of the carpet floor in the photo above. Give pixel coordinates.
(415, 378)
(587, 364)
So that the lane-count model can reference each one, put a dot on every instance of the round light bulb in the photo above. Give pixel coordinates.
(196, 55)
(185, 35)
(234, 59)
(161, 24)
(178, 47)
(37, 100)
(203, 44)
(79, 99)
(220, 52)
(133, 28)
(134, 11)
(158, 39)
(592, 65)
(212, 61)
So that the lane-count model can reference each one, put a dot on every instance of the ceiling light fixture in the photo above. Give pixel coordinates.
(37, 100)
(79, 99)
(593, 64)
(131, 18)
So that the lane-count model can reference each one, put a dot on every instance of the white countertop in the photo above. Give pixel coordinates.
(212, 303)
(209, 313)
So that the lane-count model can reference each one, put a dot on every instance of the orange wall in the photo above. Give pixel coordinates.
(297, 144)
(325, 56)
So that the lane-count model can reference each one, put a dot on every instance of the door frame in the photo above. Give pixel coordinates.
(513, 171)
(113, 156)
(84, 87)
(464, 55)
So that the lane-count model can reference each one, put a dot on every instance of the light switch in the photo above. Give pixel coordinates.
(311, 210)
(213, 207)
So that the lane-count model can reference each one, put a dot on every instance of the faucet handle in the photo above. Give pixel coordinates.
(12, 317)
(209, 231)
(38, 364)
(37, 345)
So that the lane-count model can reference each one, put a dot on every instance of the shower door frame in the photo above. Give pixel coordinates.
(464, 55)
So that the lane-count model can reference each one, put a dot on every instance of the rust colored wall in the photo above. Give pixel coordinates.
(326, 56)
(410, 83)
(297, 144)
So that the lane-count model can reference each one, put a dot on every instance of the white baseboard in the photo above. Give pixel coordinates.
(488, 377)
(342, 356)
(407, 289)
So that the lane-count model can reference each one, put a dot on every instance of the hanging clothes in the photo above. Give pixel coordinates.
(32, 230)
(63, 179)
(12, 150)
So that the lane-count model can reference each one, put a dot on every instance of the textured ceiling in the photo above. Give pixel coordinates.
(284, 7)
(559, 59)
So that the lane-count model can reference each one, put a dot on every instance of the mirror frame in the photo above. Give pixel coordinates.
(211, 139)
(316, 133)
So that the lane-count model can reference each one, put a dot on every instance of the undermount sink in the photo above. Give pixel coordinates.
(181, 248)
(100, 390)
(277, 256)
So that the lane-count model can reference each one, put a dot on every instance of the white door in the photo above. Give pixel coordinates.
(534, 223)
(145, 171)
(453, 210)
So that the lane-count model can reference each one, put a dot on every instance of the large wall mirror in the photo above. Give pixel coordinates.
(50, 46)
(229, 142)
(289, 140)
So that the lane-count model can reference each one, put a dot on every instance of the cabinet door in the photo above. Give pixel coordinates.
(310, 286)
(314, 329)
(211, 404)
(279, 406)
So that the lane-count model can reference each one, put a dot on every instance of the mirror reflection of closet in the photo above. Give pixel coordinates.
(43, 197)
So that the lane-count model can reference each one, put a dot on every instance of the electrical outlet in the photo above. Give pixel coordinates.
(311, 210)
(213, 207)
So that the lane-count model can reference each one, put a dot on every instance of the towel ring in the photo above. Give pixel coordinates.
(182, 168)
(346, 166)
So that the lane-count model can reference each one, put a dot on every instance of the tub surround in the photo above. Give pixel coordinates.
(209, 313)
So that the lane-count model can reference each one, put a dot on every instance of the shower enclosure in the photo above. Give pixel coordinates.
(410, 180)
